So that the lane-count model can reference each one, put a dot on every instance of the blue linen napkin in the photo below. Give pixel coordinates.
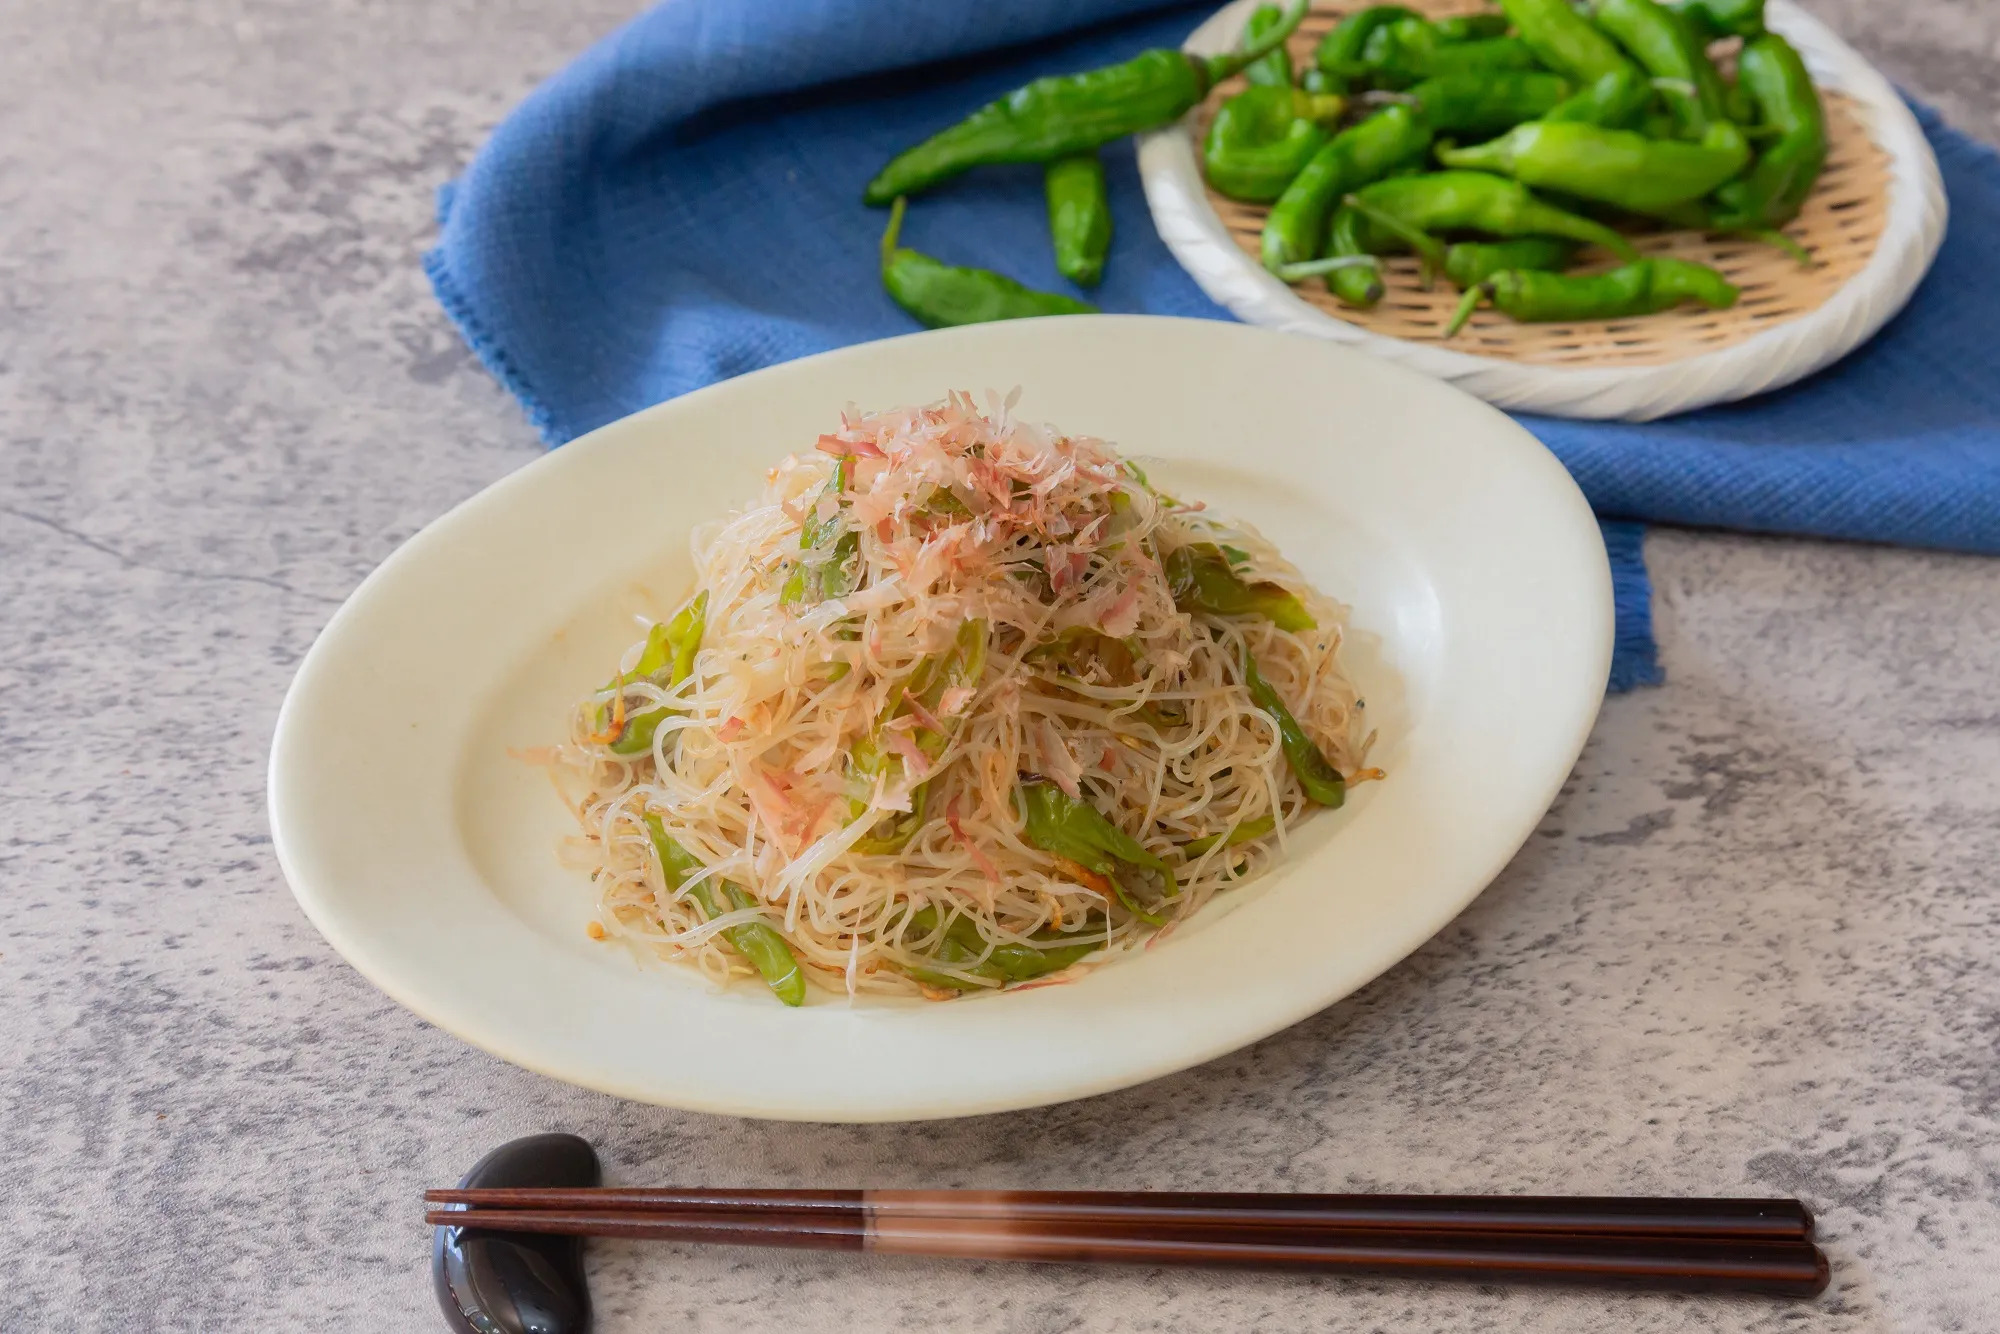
(682, 204)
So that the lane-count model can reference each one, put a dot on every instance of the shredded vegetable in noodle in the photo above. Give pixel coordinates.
(960, 703)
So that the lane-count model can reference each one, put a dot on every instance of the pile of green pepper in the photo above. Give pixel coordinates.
(1403, 129)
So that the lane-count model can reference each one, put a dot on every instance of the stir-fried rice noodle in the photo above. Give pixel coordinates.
(805, 727)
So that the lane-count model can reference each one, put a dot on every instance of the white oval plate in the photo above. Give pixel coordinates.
(1188, 223)
(1481, 636)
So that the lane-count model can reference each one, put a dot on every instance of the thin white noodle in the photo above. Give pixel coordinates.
(954, 517)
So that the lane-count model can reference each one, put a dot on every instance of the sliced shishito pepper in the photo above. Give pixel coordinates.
(829, 563)
(1073, 829)
(1247, 832)
(758, 942)
(1316, 774)
(963, 946)
(962, 665)
(667, 659)
(1202, 580)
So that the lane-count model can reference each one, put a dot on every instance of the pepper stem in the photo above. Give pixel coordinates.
(1214, 69)
(1313, 268)
(893, 230)
(1466, 305)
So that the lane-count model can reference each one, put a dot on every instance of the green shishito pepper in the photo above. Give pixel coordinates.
(1079, 216)
(1072, 828)
(1358, 286)
(1201, 579)
(1565, 40)
(1467, 263)
(961, 665)
(1444, 201)
(668, 659)
(1712, 20)
(1375, 224)
(1295, 228)
(759, 942)
(1263, 137)
(1316, 774)
(1274, 68)
(1486, 104)
(1471, 27)
(1339, 55)
(1772, 191)
(1643, 288)
(1072, 113)
(940, 294)
(1642, 175)
(963, 946)
(1407, 50)
(1661, 42)
(1616, 99)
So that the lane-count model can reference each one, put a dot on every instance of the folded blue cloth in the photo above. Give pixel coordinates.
(682, 204)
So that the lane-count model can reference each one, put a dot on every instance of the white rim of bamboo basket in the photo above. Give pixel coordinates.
(1776, 356)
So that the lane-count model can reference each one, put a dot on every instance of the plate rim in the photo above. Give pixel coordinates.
(1308, 1000)
(1170, 172)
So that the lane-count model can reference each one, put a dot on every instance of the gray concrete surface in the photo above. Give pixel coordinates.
(1751, 950)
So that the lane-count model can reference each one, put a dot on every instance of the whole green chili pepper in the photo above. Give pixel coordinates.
(669, 651)
(1565, 40)
(1642, 288)
(940, 294)
(759, 942)
(1444, 201)
(1772, 191)
(1201, 579)
(1295, 228)
(1079, 216)
(1487, 104)
(1610, 166)
(1616, 99)
(1661, 43)
(1471, 27)
(1075, 830)
(1712, 20)
(1316, 774)
(1247, 832)
(1469, 262)
(1263, 137)
(1275, 66)
(1356, 286)
(1410, 49)
(1072, 113)
(1380, 223)
(1338, 57)
(962, 665)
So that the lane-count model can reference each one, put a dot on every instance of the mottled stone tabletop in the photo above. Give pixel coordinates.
(1752, 949)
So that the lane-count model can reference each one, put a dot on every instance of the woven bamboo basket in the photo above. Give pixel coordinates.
(1872, 224)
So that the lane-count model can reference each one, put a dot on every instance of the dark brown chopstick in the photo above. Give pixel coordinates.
(1781, 1268)
(1773, 1220)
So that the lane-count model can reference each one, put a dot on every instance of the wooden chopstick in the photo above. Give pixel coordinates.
(1777, 1268)
(1770, 1220)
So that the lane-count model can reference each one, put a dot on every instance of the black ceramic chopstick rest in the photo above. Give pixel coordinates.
(515, 1282)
